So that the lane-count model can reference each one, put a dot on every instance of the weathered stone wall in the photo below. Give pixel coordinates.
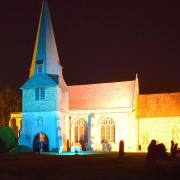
(37, 122)
(63, 100)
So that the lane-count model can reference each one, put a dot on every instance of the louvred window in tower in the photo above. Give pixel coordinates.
(39, 66)
(39, 94)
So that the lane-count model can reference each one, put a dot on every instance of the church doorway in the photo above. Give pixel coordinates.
(41, 143)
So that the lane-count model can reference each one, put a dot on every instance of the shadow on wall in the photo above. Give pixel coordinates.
(14, 127)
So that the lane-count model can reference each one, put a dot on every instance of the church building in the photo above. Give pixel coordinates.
(92, 116)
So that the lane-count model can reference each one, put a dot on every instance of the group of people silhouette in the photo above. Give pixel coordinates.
(158, 151)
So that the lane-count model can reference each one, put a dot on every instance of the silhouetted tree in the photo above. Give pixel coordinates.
(10, 101)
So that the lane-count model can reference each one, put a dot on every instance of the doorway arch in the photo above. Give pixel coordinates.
(41, 143)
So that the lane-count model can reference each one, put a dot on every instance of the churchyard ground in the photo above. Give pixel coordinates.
(98, 166)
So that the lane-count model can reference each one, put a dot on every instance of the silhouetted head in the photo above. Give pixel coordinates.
(153, 142)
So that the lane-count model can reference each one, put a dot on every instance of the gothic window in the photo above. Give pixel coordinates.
(39, 94)
(113, 133)
(108, 130)
(175, 134)
(80, 131)
(145, 138)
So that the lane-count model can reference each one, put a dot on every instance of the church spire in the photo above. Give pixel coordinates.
(45, 50)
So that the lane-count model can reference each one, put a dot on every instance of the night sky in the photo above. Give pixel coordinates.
(97, 42)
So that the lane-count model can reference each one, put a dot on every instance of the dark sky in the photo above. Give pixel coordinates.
(97, 42)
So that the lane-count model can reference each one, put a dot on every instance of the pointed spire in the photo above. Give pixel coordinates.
(45, 50)
(137, 81)
(136, 76)
(136, 90)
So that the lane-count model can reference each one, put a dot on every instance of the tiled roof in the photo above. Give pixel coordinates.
(159, 105)
(104, 95)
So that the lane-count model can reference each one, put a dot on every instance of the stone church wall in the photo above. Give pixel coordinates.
(63, 100)
(48, 104)
(125, 127)
(45, 122)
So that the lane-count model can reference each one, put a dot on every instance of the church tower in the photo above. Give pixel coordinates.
(45, 96)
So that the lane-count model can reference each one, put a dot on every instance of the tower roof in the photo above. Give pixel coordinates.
(45, 49)
(43, 80)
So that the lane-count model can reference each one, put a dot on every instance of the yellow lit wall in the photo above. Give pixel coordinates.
(162, 129)
(15, 122)
(125, 126)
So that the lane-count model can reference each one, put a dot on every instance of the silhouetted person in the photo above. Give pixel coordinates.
(173, 149)
(172, 145)
(76, 152)
(68, 145)
(83, 145)
(151, 155)
(173, 153)
(161, 151)
(109, 147)
(121, 148)
(175, 146)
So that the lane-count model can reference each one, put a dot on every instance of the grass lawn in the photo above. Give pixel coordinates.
(98, 166)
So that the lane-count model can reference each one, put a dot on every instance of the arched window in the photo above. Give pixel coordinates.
(108, 130)
(80, 131)
(173, 134)
(145, 138)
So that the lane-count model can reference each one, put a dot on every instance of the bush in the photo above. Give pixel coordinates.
(7, 139)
